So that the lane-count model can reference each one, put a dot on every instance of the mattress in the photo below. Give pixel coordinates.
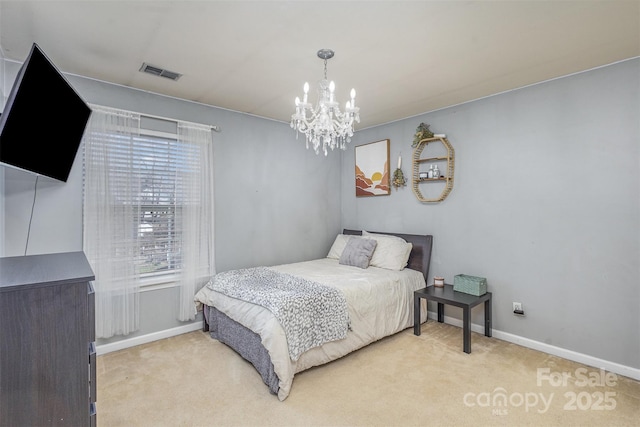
(380, 303)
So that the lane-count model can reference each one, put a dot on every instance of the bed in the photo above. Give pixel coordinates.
(377, 298)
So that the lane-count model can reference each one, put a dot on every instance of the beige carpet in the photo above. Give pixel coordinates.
(403, 380)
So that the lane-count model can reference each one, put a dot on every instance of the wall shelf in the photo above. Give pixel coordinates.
(442, 155)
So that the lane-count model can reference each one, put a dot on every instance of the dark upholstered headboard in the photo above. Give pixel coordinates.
(420, 257)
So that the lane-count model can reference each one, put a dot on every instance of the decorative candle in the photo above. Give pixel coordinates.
(399, 161)
(297, 106)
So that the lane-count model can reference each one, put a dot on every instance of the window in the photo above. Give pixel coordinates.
(146, 176)
(148, 211)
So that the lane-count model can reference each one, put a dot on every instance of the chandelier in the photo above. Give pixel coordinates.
(325, 125)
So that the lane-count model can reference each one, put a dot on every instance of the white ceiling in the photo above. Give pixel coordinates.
(403, 57)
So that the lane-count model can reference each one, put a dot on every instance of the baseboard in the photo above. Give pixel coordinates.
(595, 362)
(143, 339)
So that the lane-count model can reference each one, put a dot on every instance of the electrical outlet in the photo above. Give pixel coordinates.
(517, 308)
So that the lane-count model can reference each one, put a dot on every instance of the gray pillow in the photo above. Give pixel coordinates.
(358, 252)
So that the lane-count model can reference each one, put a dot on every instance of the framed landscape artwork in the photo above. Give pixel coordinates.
(372, 169)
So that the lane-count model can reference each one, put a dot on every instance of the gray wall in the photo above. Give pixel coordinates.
(275, 202)
(545, 205)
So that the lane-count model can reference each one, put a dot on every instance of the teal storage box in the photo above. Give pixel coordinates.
(470, 284)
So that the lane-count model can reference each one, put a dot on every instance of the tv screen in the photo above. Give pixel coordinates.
(43, 120)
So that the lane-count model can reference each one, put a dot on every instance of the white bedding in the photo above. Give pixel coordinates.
(380, 304)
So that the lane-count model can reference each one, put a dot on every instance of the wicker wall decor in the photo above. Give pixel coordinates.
(443, 158)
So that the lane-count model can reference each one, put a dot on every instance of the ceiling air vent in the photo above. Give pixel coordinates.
(157, 71)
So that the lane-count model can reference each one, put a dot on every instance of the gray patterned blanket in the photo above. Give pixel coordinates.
(310, 313)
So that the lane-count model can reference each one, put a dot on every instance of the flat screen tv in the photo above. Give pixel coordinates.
(43, 120)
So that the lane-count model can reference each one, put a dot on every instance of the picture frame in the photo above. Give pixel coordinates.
(372, 169)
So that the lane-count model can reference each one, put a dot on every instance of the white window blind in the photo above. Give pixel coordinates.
(147, 177)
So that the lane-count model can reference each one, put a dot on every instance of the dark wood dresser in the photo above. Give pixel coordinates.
(47, 341)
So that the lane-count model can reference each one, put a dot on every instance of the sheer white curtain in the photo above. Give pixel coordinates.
(109, 220)
(196, 214)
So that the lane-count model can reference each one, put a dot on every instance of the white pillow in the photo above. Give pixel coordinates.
(338, 246)
(392, 252)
